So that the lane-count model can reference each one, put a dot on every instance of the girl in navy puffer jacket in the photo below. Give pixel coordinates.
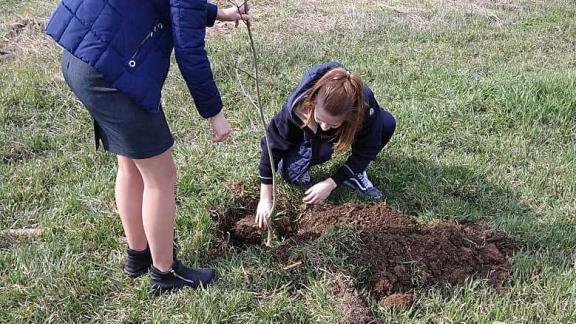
(116, 58)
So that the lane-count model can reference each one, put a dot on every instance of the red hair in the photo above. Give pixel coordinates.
(342, 93)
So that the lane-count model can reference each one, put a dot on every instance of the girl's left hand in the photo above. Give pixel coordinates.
(233, 14)
(319, 192)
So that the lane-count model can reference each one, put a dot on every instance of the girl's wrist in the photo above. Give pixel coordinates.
(266, 192)
(225, 14)
(220, 14)
(219, 115)
(332, 183)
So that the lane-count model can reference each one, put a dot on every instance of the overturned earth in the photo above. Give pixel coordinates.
(398, 254)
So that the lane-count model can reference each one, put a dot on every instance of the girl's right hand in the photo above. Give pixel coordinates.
(263, 212)
(220, 127)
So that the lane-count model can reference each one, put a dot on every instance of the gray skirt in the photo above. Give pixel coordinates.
(120, 124)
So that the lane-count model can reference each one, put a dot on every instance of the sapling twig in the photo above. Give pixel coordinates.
(244, 71)
(244, 92)
(258, 107)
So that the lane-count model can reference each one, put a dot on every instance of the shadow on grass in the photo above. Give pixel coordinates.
(432, 191)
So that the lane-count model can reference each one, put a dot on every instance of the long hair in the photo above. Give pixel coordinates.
(343, 95)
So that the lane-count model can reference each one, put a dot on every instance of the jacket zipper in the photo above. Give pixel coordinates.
(150, 35)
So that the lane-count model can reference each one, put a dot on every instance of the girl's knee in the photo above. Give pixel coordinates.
(160, 180)
(388, 127)
(167, 175)
(389, 123)
(160, 173)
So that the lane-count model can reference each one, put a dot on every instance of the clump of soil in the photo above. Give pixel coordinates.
(403, 254)
(399, 301)
(247, 231)
(239, 224)
(400, 253)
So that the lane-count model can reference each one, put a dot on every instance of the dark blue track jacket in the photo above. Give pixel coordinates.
(301, 148)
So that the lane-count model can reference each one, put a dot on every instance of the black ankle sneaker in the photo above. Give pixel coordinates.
(137, 262)
(363, 185)
(178, 277)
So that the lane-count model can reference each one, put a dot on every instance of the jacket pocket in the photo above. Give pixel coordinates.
(136, 56)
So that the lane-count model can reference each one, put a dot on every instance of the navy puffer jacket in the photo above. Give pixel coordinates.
(130, 42)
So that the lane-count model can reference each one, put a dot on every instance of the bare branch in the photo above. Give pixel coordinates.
(245, 72)
(244, 90)
(258, 106)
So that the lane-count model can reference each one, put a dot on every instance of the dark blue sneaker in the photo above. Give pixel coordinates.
(362, 184)
(179, 276)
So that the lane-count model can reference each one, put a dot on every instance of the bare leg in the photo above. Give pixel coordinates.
(129, 190)
(159, 206)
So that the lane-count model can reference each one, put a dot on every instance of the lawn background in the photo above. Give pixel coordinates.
(484, 94)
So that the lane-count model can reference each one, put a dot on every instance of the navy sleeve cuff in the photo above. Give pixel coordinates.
(211, 13)
(266, 180)
(339, 176)
(210, 108)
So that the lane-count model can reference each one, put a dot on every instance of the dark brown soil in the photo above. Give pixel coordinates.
(238, 224)
(404, 254)
(400, 253)
(247, 231)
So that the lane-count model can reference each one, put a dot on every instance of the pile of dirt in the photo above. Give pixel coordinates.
(400, 253)
(404, 254)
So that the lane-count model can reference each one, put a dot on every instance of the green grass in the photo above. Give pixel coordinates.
(485, 99)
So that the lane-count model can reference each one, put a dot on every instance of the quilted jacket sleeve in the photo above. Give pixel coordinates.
(211, 13)
(189, 21)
